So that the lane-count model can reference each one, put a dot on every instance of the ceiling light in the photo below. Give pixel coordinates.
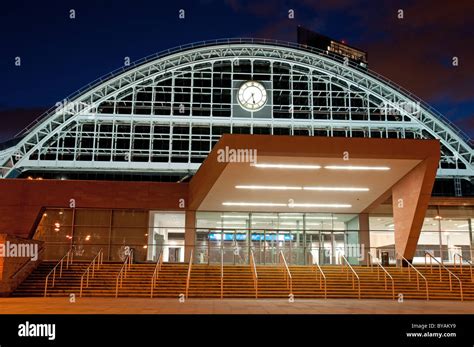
(291, 205)
(338, 189)
(288, 166)
(269, 187)
(237, 216)
(321, 205)
(355, 167)
(254, 217)
(256, 204)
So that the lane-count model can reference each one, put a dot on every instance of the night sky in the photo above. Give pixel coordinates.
(59, 55)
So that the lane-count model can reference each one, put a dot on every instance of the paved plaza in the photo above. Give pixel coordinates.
(228, 306)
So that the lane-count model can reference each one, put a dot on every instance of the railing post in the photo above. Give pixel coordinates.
(222, 274)
(80, 292)
(188, 279)
(46, 286)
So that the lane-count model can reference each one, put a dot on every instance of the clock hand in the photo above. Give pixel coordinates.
(247, 100)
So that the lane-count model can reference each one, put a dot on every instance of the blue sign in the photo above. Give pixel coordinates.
(253, 237)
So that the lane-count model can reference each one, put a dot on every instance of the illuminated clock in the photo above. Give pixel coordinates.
(252, 96)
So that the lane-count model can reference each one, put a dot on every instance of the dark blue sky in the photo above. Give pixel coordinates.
(59, 55)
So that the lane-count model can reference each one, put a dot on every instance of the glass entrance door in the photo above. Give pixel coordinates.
(267, 244)
(338, 239)
(166, 236)
(326, 247)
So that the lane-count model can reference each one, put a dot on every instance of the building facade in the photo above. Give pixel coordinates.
(123, 163)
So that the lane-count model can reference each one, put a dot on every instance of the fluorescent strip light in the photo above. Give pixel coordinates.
(257, 204)
(269, 187)
(245, 216)
(322, 205)
(288, 166)
(337, 189)
(294, 217)
(322, 218)
(271, 204)
(354, 167)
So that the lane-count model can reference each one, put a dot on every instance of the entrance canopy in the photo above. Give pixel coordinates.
(319, 174)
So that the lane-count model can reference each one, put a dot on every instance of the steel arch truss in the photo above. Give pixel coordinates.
(167, 114)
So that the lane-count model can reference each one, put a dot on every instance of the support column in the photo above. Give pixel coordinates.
(411, 196)
(189, 234)
(364, 236)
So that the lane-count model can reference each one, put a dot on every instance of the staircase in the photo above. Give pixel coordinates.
(34, 284)
(205, 282)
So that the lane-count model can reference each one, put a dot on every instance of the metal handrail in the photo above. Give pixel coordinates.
(370, 263)
(222, 274)
(321, 276)
(156, 273)
(41, 250)
(254, 273)
(67, 256)
(354, 273)
(200, 44)
(97, 261)
(188, 279)
(419, 274)
(286, 270)
(123, 271)
(461, 258)
(450, 273)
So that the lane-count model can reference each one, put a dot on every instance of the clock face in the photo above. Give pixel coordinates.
(252, 96)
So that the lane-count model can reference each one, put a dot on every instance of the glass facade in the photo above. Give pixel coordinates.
(90, 230)
(303, 238)
(446, 231)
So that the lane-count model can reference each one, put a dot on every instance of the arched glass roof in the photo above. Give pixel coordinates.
(165, 112)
